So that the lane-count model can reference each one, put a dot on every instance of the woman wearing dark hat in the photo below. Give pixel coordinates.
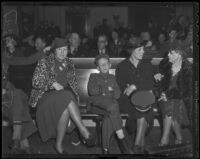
(176, 94)
(134, 75)
(55, 95)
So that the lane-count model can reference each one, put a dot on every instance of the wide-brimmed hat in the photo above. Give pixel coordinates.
(58, 42)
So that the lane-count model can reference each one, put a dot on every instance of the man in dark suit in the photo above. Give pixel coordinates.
(75, 49)
(102, 44)
(116, 45)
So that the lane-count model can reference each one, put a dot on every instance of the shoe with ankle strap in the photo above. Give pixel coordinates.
(105, 151)
(89, 142)
(61, 153)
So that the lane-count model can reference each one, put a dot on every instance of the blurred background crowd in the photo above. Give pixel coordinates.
(112, 39)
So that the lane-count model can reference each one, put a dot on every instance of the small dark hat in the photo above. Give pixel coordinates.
(58, 42)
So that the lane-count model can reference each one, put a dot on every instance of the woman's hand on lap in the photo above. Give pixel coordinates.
(58, 86)
(129, 89)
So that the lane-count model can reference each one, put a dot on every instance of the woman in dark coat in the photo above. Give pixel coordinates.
(176, 94)
(135, 74)
(55, 96)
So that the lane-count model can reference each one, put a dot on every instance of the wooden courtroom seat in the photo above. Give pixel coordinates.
(21, 76)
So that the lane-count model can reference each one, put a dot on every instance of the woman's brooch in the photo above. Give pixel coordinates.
(60, 68)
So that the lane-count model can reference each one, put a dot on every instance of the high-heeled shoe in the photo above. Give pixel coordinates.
(14, 146)
(124, 147)
(61, 153)
(14, 143)
(89, 142)
(138, 149)
(105, 152)
(177, 141)
(26, 150)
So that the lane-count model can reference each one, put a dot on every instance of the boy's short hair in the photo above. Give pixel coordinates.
(100, 56)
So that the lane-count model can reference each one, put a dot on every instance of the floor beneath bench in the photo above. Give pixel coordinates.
(47, 148)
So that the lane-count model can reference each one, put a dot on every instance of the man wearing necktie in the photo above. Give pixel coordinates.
(75, 47)
(116, 45)
(102, 44)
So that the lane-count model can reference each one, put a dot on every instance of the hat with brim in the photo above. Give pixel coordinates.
(58, 43)
(142, 100)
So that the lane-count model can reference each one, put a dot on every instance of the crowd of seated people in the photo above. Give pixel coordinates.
(54, 79)
(116, 40)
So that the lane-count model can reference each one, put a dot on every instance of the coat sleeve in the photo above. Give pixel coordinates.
(121, 77)
(41, 77)
(117, 91)
(93, 88)
(164, 68)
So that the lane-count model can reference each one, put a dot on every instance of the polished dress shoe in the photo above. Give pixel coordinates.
(124, 146)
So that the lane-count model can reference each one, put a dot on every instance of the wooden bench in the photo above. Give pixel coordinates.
(84, 67)
(21, 76)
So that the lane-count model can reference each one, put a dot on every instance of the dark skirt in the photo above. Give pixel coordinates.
(134, 114)
(49, 110)
(18, 111)
(176, 109)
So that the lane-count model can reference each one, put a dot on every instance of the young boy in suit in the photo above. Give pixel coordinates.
(104, 90)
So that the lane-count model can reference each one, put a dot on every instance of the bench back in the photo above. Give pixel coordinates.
(22, 75)
(86, 66)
